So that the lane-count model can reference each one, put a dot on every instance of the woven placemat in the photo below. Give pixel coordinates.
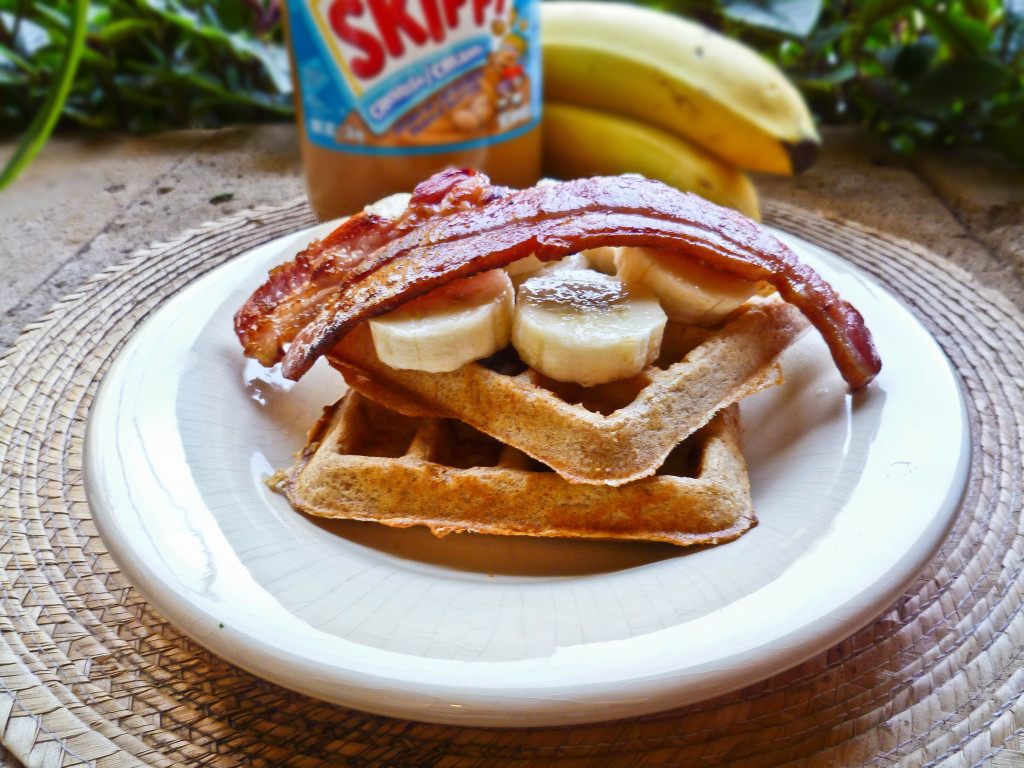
(91, 675)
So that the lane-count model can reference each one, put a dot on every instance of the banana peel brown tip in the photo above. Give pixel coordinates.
(802, 154)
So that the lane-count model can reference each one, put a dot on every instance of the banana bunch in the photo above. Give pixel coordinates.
(629, 89)
(579, 142)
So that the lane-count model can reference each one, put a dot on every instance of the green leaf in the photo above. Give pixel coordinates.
(913, 59)
(273, 58)
(871, 11)
(964, 35)
(823, 36)
(188, 20)
(1009, 45)
(96, 59)
(30, 37)
(886, 57)
(99, 15)
(11, 60)
(795, 18)
(45, 120)
(12, 77)
(155, 52)
(90, 119)
(234, 15)
(876, 20)
(122, 30)
(141, 96)
(203, 82)
(1009, 140)
(57, 20)
(829, 80)
(967, 80)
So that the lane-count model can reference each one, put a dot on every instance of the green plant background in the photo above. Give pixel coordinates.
(919, 73)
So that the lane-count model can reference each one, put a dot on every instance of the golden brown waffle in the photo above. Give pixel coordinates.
(367, 462)
(609, 434)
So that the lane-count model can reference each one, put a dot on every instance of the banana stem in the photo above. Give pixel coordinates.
(45, 120)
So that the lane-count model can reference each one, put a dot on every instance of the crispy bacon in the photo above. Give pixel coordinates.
(295, 292)
(471, 227)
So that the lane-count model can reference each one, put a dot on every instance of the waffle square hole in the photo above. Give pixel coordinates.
(678, 341)
(505, 362)
(462, 447)
(532, 465)
(602, 398)
(685, 458)
(378, 431)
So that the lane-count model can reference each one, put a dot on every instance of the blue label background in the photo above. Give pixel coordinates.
(325, 94)
(327, 100)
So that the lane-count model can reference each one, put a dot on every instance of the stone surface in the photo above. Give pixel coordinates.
(86, 204)
(986, 193)
(858, 179)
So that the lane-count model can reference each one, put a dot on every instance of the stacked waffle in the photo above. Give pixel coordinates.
(497, 444)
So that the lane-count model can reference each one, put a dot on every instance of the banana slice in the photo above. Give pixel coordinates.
(452, 325)
(586, 327)
(572, 261)
(602, 259)
(689, 291)
(529, 266)
(522, 268)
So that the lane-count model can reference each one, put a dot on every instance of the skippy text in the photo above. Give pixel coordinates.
(379, 29)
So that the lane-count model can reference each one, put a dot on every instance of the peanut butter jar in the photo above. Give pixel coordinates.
(390, 91)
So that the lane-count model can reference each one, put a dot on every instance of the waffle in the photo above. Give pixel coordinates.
(610, 434)
(367, 462)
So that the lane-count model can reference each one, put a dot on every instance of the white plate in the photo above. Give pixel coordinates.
(854, 495)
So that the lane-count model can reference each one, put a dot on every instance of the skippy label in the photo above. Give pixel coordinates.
(399, 76)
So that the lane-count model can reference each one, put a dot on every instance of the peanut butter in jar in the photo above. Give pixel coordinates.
(390, 91)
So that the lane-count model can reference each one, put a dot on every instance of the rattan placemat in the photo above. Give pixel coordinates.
(91, 675)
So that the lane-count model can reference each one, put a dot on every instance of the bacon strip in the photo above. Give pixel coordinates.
(458, 224)
(294, 293)
(557, 220)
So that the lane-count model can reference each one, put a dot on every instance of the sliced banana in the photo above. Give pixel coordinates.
(586, 327)
(690, 291)
(522, 268)
(572, 261)
(462, 321)
(602, 259)
(529, 266)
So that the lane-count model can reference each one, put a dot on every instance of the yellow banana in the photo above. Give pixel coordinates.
(587, 142)
(679, 75)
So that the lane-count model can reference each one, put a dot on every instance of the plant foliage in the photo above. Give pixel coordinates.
(146, 64)
(919, 73)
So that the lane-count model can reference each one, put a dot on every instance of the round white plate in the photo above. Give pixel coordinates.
(854, 495)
